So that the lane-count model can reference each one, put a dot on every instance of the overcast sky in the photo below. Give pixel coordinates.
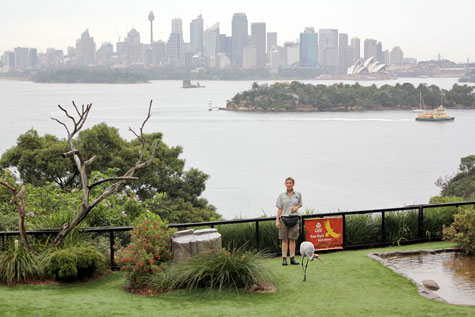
(422, 28)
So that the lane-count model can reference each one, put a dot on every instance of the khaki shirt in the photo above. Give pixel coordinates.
(285, 201)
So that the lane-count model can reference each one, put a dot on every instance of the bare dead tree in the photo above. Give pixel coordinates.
(21, 208)
(81, 164)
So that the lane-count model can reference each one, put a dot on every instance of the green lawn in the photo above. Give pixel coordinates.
(347, 284)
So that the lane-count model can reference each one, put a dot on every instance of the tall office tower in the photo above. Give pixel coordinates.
(271, 41)
(328, 47)
(134, 49)
(159, 52)
(387, 58)
(196, 35)
(177, 26)
(175, 45)
(151, 17)
(239, 37)
(54, 58)
(104, 54)
(308, 48)
(211, 39)
(249, 59)
(33, 57)
(22, 58)
(85, 49)
(275, 59)
(396, 56)
(8, 61)
(379, 52)
(292, 53)
(343, 62)
(225, 45)
(356, 46)
(258, 41)
(370, 49)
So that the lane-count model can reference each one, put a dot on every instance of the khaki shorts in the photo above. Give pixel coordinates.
(291, 233)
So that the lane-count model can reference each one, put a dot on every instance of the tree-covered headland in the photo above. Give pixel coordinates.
(297, 96)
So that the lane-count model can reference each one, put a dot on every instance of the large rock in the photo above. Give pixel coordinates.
(188, 243)
(430, 284)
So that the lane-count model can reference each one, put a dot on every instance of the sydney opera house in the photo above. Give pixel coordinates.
(369, 66)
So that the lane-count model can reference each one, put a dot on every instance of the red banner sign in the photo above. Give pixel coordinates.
(325, 233)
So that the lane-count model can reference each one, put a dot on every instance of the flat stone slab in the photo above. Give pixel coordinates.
(188, 243)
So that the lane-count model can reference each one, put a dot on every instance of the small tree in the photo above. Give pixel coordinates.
(462, 231)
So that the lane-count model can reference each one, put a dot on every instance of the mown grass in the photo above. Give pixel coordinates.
(347, 284)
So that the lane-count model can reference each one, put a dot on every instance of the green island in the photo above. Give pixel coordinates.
(301, 97)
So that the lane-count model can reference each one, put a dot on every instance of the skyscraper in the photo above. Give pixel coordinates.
(22, 58)
(258, 41)
(271, 41)
(370, 49)
(308, 48)
(86, 49)
(343, 52)
(211, 39)
(196, 34)
(134, 49)
(328, 47)
(379, 52)
(396, 56)
(240, 39)
(356, 46)
(175, 43)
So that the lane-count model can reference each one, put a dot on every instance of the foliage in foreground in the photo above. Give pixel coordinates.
(237, 269)
(73, 264)
(18, 265)
(462, 231)
(463, 183)
(149, 248)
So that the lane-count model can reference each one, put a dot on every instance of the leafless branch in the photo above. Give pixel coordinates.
(124, 178)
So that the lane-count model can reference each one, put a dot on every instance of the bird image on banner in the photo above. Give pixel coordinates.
(330, 231)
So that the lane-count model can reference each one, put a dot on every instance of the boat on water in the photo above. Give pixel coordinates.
(437, 114)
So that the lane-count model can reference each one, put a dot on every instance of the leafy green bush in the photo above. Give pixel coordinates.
(89, 262)
(73, 264)
(62, 265)
(462, 231)
(18, 265)
(223, 269)
(149, 248)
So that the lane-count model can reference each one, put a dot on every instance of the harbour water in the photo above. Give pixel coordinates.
(341, 161)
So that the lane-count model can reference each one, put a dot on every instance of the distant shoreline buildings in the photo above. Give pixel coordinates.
(248, 47)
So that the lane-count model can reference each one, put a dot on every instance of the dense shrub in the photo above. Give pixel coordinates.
(62, 265)
(149, 248)
(462, 231)
(362, 229)
(73, 264)
(18, 265)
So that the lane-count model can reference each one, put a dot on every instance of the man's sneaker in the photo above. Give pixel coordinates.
(284, 261)
(293, 262)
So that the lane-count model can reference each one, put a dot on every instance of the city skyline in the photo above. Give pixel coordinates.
(28, 24)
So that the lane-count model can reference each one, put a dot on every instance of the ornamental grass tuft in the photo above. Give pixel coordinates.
(238, 269)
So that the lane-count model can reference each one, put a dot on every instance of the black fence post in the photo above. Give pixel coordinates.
(257, 234)
(344, 230)
(383, 226)
(421, 223)
(3, 243)
(111, 241)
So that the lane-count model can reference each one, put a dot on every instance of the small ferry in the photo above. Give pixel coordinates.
(437, 114)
